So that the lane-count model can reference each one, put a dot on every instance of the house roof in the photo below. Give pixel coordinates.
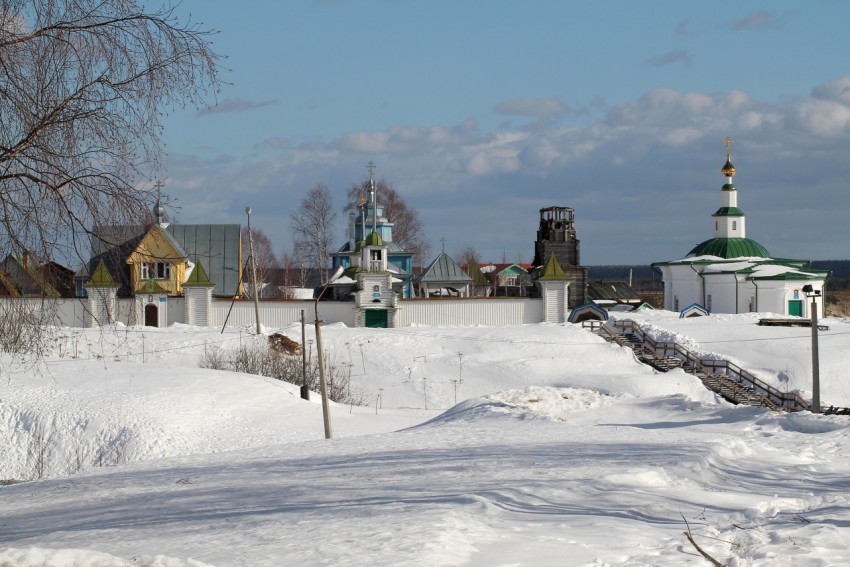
(618, 291)
(730, 248)
(509, 268)
(444, 270)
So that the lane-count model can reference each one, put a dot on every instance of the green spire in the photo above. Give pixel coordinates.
(101, 277)
(198, 275)
(553, 271)
(374, 239)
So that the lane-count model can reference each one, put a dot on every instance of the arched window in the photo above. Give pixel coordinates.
(734, 225)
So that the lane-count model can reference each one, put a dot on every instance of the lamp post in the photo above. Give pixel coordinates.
(323, 384)
(255, 289)
(814, 294)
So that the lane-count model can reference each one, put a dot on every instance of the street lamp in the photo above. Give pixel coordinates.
(814, 294)
(323, 384)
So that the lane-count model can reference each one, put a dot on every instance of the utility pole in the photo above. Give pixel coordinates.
(305, 389)
(254, 287)
(323, 384)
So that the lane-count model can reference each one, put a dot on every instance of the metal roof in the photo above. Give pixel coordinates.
(444, 270)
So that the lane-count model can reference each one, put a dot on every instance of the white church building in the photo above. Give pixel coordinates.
(731, 273)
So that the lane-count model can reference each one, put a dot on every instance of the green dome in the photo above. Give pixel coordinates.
(730, 248)
(374, 239)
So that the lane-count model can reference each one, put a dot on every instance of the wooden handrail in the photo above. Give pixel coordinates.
(733, 374)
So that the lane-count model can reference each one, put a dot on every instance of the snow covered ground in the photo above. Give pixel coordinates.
(532, 445)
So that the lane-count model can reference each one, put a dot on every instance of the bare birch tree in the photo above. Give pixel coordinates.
(312, 228)
(267, 263)
(83, 87)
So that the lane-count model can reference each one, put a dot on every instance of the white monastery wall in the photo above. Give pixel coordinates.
(483, 311)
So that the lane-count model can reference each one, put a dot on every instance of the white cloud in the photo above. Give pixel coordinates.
(670, 58)
(665, 148)
(837, 90)
(825, 117)
(234, 105)
(760, 20)
(540, 107)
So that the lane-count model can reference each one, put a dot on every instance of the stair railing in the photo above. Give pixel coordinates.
(720, 369)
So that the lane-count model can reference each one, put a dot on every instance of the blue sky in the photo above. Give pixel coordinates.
(482, 112)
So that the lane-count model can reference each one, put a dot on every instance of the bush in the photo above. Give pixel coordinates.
(262, 361)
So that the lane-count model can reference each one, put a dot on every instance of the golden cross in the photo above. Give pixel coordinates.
(371, 167)
(728, 141)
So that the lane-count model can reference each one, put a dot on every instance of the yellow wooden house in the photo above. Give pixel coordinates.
(158, 264)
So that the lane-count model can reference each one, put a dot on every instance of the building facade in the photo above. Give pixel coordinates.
(730, 273)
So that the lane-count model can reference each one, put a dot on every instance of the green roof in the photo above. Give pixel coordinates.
(151, 286)
(101, 277)
(730, 248)
(198, 276)
(553, 271)
(728, 212)
(791, 276)
(374, 239)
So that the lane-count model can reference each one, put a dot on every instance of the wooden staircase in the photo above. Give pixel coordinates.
(725, 378)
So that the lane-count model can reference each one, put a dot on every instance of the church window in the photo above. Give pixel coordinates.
(708, 302)
(376, 288)
(734, 225)
(675, 303)
(715, 225)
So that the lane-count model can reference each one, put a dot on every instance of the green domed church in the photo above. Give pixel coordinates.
(730, 273)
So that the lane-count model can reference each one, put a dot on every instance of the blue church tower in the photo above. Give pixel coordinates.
(370, 219)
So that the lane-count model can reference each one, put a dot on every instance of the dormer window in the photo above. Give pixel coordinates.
(155, 271)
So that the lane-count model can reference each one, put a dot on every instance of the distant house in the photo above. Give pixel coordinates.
(160, 257)
(20, 278)
(509, 280)
(609, 294)
(59, 278)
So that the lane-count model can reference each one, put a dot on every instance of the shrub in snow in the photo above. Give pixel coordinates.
(273, 363)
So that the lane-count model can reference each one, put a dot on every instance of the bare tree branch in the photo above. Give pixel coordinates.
(84, 85)
(265, 259)
(312, 227)
(690, 537)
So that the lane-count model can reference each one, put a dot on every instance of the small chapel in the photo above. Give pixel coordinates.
(376, 271)
(730, 273)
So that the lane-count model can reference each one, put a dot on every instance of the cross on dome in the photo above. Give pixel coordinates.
(728, 169)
